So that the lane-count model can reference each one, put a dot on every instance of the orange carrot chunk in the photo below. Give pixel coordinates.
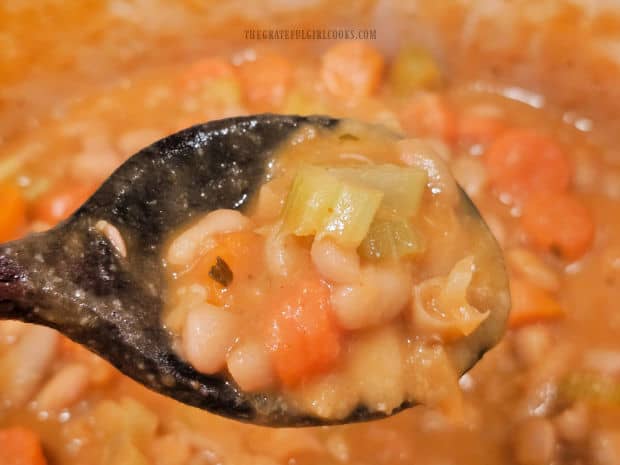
(429, 115)
(20, 446)
(352, 69)
(558, 222)
(12, 212)
(205, 70)
(304, 338)
(523, 161)
(530, 304)
(240, 252)
(57, 206)
(266, 80)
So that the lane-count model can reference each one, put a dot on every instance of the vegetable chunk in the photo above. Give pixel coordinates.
(303, 337)
(20, 446)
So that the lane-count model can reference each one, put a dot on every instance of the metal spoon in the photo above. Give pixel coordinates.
(72, 279)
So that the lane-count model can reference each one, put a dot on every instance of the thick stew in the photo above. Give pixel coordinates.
(546, 181)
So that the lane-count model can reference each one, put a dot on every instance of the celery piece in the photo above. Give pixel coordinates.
(593, 388)
(414, 69)
(352, 215)
(311, 199)
(391, 239)
(402, 186)
(321, 204)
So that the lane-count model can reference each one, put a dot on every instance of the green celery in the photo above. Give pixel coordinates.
(414, 69)
(402, 186)
(391, 239)
(321, 204)
(352, 216)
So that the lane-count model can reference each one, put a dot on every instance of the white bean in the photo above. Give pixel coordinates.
(269, 204)
(10, 331)
(379, 296)
(605, 447)
(376, 368)
(208, 335)
(194, 241)
(573, 424)
(284, 253)
(113, 235)
(63, 389)
(334, 263)
(26, 363)
(251, 367)
(531, 344)
(531, 267)
(535, 442)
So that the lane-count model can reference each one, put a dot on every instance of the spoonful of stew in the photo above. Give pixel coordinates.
(279, 270)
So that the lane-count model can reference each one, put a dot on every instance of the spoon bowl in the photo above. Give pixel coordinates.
(72, 277)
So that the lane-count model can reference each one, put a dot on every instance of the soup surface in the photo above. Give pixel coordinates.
(550, 192)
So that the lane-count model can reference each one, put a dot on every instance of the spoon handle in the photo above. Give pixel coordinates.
(12, 289)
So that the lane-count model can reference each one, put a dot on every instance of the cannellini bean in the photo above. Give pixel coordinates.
(283, 444)
(334, 263)
(251, 367)
(63, 389)
(269, 204)
(189, 245)
(376, 368)
(331, 396)
(113, 235)
(26, 363)
(424, 362)
(535, 442)
(605, 447)
(531, 267)
(379, 296)
(573, 424)
(10, 331)
(208, 333)
(284, 253)
(338, 447)
(531, 344)
(171, 449)
(415, 152)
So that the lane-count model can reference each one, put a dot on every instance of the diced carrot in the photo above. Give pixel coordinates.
(429, 115)
(531, 304)
(477, 129)
(523, 161)
(20, 446)
(303, 336)
(352, 69)
(204, 70)
(266, 80)
(242, 253)
(12, 212)
(558, 222)
(57, 206)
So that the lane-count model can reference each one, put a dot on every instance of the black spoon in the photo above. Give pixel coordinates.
(73, 279)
